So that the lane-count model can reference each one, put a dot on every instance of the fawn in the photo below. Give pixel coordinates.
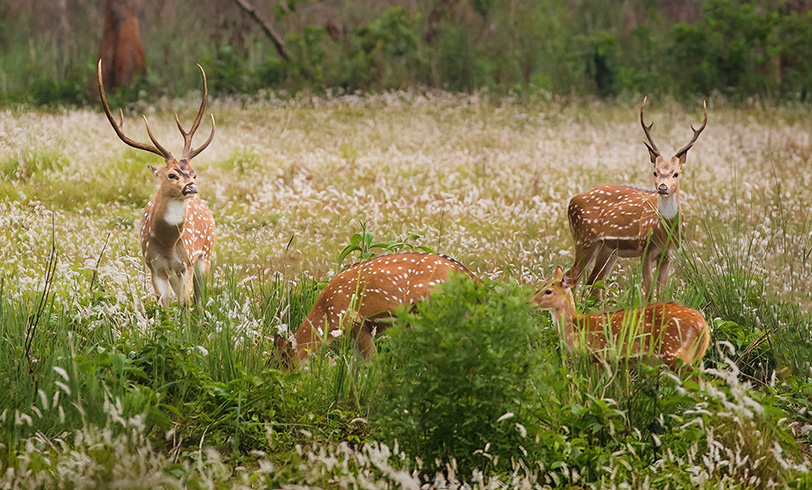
(660, 332)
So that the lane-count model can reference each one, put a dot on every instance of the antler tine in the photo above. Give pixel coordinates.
(154, 141)
(194, 153)
(696, 132)
(647, 129)
(188, 153)
(158, 149)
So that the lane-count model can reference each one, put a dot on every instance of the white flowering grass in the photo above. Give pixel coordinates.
(486, 183)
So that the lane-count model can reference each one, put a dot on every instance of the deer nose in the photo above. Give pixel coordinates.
(190, 189)
(662, 189)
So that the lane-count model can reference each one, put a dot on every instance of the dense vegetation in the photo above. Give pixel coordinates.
(99, 385)
(738, 49)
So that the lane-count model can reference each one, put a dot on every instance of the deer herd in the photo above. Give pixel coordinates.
(606, 222)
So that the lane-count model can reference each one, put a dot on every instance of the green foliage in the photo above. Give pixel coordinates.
(46, 91)
(457, 374)
(364, 243)
(727, 283)
(225, 70)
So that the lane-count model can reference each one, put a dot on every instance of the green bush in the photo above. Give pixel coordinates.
(450, 381)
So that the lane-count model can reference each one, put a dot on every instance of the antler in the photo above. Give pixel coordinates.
(696, 132)
(647, 129)
(188, 152)
(157, 149)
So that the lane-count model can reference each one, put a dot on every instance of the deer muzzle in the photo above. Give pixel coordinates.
(190, 189)
(662, 190)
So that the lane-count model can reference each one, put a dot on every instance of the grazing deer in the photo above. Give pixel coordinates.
(611, 221)
(177, 230)
(663, 332)
(360, 301)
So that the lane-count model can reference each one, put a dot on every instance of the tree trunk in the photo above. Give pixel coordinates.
(121, 51)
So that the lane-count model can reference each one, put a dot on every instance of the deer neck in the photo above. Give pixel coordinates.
(668, 206)
(565, 318)
(308, 337)
(168, 218)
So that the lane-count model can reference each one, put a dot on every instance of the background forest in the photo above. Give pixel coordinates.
(588, 47)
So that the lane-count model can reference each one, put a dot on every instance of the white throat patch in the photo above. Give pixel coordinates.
(174, 212)
(668, 206)
(555, 316)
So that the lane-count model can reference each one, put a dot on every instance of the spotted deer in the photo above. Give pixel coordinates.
(611, 221)
(360, 300)
(177, 229)
(659, 332)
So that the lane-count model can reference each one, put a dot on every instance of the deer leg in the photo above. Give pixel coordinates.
(584, 253)
(199, 282)
(188, 288)
(662, 274)
(180, 284)
(162, 288)
(649, 261)
(604, 263)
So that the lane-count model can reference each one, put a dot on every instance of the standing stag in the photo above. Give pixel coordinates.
(611, 221)
(660, 332)
(360, 300)
(177, 230)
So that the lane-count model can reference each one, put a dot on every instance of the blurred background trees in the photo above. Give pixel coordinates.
(121, 50)
(48, 48)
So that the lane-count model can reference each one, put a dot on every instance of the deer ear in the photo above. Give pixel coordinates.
(566, 283)
(153, 170)
(559, 273)
(279, 342)
(681, 158)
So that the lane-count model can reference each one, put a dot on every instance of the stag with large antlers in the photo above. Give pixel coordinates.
(177, 230)
(611, 221)
(659, 332)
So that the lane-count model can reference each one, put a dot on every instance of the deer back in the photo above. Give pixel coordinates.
(661, 331)
(379, 285)
(613, 212)
(368, 292)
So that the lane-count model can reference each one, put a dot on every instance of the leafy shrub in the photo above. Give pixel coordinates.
(454, 382)
(364, 243)
(226, 70)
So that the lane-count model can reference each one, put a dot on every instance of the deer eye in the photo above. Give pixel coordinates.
(549, 291)
(676, 174)
(173, 176)
(655, 173)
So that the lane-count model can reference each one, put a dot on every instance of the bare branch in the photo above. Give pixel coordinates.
(277, 40)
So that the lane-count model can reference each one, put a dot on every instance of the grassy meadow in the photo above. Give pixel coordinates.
(99, 385)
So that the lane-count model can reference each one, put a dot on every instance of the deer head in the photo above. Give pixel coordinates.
(667, 174)
(556, 294)
(178, 180)
(283, 355)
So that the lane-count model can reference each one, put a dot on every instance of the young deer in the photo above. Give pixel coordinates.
(662, 332)
(177, 230)
(360, 300)
(611, 221)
